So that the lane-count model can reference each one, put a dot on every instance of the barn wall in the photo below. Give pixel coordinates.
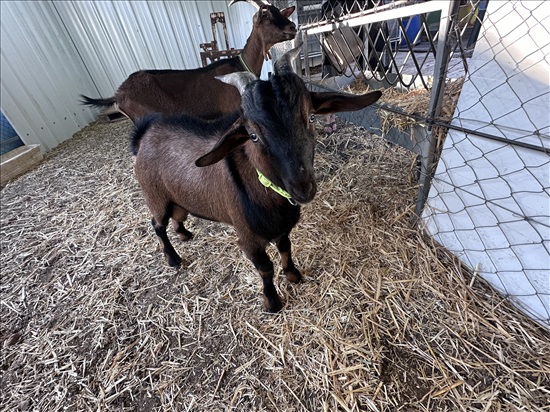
(116, 38)
(490, 201)
(41, 74)
(52, 51)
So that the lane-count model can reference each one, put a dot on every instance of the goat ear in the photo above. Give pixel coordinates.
(332, 102)
(284, 63)
(235, 136)
(286, 12)
(238, 79)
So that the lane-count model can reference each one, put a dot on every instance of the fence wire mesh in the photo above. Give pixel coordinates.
(467, 88)
(489, 201)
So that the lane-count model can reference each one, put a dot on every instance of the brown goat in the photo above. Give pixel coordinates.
(197, 92)
(268, 145)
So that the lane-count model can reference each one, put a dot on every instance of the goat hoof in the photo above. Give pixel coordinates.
(174, 261)
(185, 236)
(273, 305)
(293, 276)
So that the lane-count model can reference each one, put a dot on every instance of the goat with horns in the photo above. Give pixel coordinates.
(197, 91)
(252, 169)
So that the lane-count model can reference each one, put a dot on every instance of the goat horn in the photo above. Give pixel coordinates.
(284, 63)
(255, 3)
(238, 79)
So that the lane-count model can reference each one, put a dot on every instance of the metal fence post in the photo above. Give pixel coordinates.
(443, 55)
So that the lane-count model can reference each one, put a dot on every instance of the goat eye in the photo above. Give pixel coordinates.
(254, 137)
(312, 118)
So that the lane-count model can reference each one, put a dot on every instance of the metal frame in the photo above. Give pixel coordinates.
(398, 9)
(211, 50)
(425, 143)
(443, 54)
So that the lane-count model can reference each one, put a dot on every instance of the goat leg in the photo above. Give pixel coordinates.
(272, 302)
(169, 252)
(182, 232)
(283, 245)
(179, 215)
(264, 265)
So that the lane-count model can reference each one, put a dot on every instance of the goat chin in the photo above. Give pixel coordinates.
(302, 201)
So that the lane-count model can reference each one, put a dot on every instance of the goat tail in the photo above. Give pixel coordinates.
(97, 103)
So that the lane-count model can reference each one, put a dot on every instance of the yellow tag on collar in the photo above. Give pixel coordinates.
(269, 184)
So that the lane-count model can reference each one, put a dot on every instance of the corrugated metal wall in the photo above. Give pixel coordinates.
(41, 74)
(51, 51)
(116, 38)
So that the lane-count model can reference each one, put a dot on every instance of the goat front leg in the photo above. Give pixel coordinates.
(264, 265)
(171, 255)
(283, 245)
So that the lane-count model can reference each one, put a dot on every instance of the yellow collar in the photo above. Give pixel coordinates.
(269, 184)
(244, 64)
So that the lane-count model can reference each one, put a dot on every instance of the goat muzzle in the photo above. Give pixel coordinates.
(291, 32)
(303, 192)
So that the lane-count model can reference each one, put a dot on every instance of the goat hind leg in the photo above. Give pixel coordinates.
(179, 215)
(171, 255)
(283, 245)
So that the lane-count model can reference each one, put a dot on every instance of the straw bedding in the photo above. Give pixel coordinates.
(92, 318)
(416, 104)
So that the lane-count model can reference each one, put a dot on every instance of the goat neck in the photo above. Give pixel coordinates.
(253, 55)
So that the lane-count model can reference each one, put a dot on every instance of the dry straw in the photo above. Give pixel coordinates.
(414, 104)
(92, 319)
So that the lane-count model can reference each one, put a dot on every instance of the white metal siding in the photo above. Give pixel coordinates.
(52, 51)
(117, 38)
(40, 75)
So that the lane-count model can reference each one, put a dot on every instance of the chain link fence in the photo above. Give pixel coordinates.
(467, 89)
(489, 198)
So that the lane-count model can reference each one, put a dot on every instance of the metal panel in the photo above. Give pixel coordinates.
(117, 38)
(41, 73)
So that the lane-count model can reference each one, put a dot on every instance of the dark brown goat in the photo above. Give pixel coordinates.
(257, 170)
(197, 92)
